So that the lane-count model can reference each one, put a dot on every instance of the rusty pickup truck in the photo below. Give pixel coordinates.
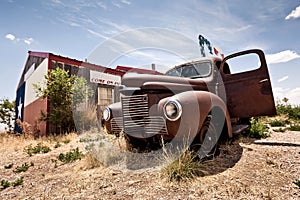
(200, 100)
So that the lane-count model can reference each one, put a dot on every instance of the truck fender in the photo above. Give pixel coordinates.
(196, 106)
(116, 112)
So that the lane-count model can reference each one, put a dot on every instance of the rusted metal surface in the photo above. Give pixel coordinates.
(141, 113)
(249, 93)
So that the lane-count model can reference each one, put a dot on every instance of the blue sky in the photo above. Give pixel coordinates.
(75, 28)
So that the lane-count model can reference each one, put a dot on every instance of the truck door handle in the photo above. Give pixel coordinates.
(264, 80)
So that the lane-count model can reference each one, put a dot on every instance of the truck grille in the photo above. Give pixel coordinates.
(117, 125)
(136, 119)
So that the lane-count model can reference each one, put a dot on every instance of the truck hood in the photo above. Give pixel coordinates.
(162, 82)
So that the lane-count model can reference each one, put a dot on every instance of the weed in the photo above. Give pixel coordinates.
(278, 123)
(72, 155)
(40, 148)
(55, 162)
(270, 162)
(294, 127)
(293, 112)
(4, 184)
(258, 129)
(17, 182)
(91, 138)
(91, 162)
(8, 166)
(66, 141)
(57, 144)
(297, 182)
(185, 167)
(22, 168)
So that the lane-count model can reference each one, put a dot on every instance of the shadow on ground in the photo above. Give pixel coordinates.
(230, 154)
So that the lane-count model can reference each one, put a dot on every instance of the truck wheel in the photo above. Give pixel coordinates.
(206, 142)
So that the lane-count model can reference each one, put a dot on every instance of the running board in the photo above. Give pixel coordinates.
(237, 129)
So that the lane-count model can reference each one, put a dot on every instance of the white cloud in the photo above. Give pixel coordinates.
(28, 40)
(126, 2)
(96, 34)
(233, 30)
(293, 95)
(56, 3)
(10, 37)
(283, 79)
(16, 39)
(102, 5)
(74, 24)
(294, 14)
(283, 56)
(116, 4)
(146, 45)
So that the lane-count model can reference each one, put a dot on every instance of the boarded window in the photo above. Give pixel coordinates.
(105, 96)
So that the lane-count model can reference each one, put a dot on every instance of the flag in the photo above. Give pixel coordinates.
(20, 106)
(218, 50)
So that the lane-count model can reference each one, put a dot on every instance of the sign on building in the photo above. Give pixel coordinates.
(105, 79)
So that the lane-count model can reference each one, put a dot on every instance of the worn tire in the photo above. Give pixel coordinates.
(206, 143)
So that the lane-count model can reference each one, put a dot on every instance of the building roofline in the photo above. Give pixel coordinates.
(76, 62)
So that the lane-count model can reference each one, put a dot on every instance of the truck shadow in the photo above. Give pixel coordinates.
(230, 153)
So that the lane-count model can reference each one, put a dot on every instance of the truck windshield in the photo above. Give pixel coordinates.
(191, 70)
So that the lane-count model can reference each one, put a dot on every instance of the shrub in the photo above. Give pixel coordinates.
(23, 168)
(65, 93)
(8, 166)
(297, 182)
(7, 113)
(85, 118)
(55, 162)
(72, 155)
(57, 144)
(91, 162)
(185, 167)
(293, 112)
(4, 184)
(278, 123)
(40, 148)
(17, 182)
(28, 130)
(294, 127)
(258, 129)
(66, 141)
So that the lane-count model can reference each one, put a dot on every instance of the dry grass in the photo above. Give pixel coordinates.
(242, 171)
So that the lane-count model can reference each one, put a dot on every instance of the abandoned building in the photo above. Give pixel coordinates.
(38, 64)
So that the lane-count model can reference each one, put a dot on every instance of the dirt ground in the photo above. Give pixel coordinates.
(243, 170)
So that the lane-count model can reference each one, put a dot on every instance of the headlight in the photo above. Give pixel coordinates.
(172, 110)
(106, 114)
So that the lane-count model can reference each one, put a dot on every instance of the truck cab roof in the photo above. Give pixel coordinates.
(201, 68)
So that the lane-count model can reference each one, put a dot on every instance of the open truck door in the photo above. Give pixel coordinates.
(248, 93)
